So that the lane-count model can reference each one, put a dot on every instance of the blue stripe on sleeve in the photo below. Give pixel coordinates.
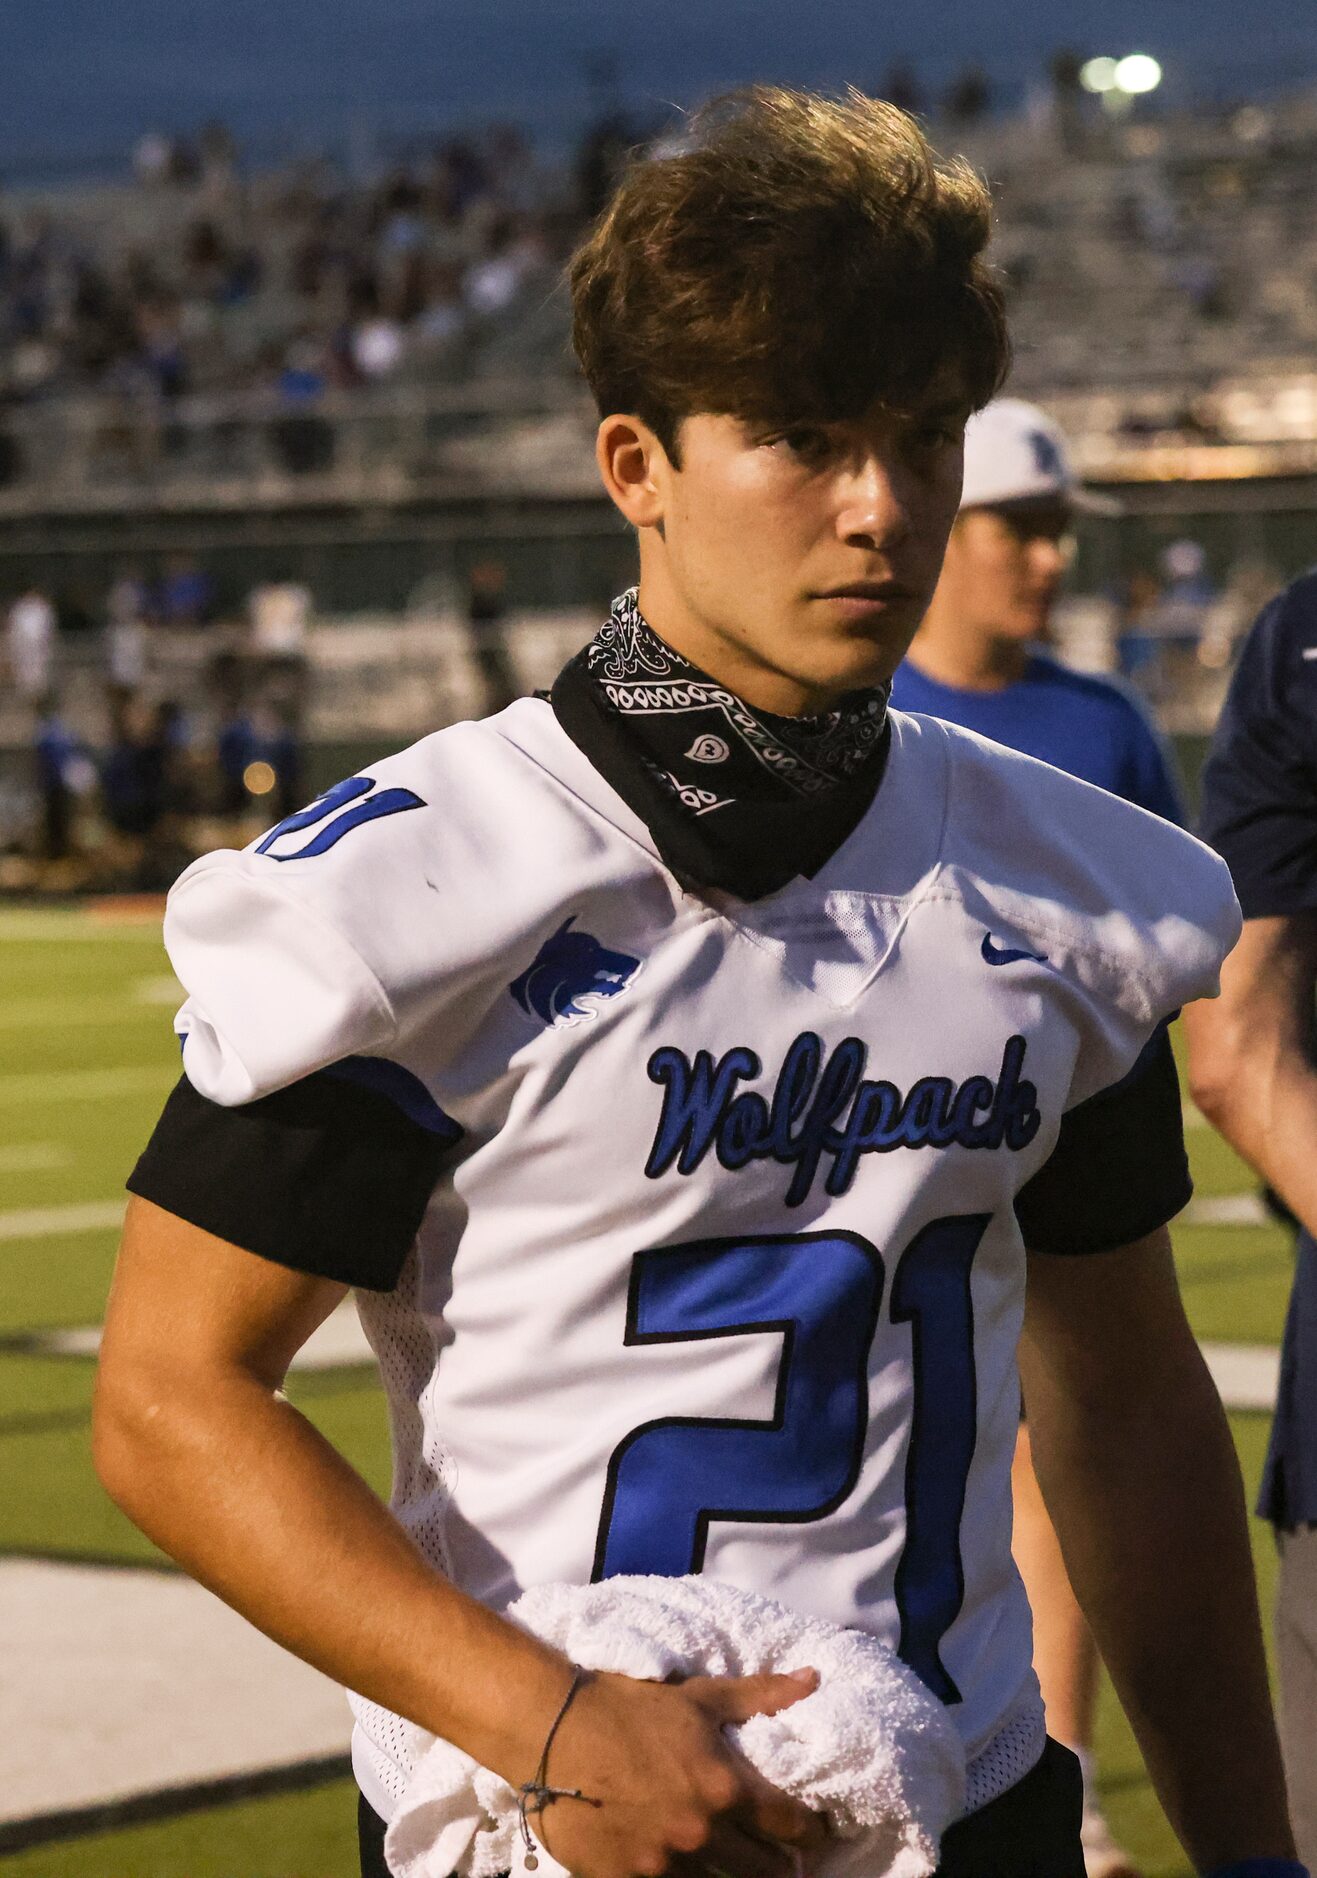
(405, 1091)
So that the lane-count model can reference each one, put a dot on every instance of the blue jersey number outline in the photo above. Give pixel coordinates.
(931, 1293)
(669, 1478)
(822, 1293)
(351, 791)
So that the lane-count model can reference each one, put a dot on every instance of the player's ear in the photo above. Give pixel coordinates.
(634, 467)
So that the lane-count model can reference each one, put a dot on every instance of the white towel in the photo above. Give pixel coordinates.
(870, 1748)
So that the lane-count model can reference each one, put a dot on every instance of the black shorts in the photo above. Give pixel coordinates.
(1030, 1831)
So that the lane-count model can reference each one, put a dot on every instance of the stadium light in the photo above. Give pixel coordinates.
(1137, 73)
(259, 779)
(1098, 75)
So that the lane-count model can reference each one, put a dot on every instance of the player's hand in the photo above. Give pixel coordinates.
(671, 1795)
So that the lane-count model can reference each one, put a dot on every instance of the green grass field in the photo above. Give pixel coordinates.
(86, 1058)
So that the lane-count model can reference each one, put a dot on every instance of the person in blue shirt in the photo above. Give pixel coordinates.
(63, 774)
(1252, 1072)
(976, 661)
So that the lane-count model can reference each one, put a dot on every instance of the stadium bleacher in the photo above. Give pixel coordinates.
(368, 380)
(261, 326)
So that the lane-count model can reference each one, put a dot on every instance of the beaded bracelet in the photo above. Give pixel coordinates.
(534, 1795)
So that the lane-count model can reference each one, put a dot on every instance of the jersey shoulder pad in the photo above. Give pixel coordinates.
(399, 901)
(1130, 908)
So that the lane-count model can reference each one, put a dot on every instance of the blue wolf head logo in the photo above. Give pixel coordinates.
(567, 968)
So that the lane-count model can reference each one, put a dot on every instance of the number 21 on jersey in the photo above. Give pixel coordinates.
(822, 1292)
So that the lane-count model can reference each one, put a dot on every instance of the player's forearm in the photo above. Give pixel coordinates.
(1278, 1138)
(1160, 1558)
(239, 1487)
(1255, 1083)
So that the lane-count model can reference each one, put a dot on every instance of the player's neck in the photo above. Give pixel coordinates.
(965, 660)
(760, 686)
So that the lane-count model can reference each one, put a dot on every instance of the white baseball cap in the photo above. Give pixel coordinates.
(1015, 452)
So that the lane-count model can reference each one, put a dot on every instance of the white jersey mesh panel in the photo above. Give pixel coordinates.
(384, 1749)
(1014, 1752)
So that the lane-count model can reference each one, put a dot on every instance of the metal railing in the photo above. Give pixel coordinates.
(102, 455)
(97, 454)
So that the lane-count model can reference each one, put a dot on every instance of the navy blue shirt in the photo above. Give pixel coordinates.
(1087, 726)
(1260, 814)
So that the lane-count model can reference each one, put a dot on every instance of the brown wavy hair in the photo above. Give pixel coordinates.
(795, 258)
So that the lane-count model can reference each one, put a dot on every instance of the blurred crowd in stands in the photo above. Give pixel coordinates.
(151, 758)
(146, 322)
(161, 775)
(1136, 239)
(199, 277)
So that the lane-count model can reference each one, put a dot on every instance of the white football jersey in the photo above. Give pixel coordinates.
(725, 1275)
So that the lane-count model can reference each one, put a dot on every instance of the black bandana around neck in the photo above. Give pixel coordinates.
(733, 797)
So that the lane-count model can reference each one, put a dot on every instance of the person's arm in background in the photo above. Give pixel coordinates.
(1250, 1069)
(1249, 1058)
(1139, 1472)
(1137, 1467)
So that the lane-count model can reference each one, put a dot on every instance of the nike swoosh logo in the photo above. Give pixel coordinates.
(1008, 955)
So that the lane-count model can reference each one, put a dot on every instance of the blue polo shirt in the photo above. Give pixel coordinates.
(1260, 814)
(1087, 726)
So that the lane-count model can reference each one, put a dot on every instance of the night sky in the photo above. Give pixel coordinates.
(80, 79)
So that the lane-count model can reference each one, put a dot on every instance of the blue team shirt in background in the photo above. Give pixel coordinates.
(1088, 726)
(1260, 814)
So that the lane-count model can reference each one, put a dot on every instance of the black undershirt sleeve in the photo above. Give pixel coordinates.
(330, 1178)
(325, 1177)
(1119, 1168)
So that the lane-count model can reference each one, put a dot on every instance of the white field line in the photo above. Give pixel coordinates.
(53, 1011)
(338, 1343)
(1227, 1209)
(1247, 1375)
(128, 1681)
(85, 1085)
(161, 988)
(20, 923)
(70, 1013)
(34, 1157)
(48, 1222)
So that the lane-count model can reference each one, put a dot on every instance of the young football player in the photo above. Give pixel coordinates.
(976, 661)
(678, 1068)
